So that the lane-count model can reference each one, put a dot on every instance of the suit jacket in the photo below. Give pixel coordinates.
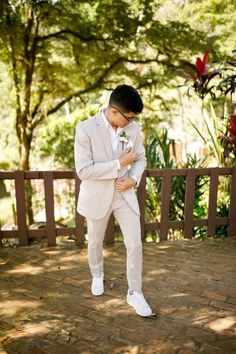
(97, 167)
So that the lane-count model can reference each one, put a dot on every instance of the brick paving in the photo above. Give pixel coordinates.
(46, 305)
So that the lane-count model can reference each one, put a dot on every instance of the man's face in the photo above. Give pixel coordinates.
(121, 119)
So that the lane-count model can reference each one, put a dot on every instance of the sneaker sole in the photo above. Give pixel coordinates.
(97, 294)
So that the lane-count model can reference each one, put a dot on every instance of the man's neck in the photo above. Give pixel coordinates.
(107, 115)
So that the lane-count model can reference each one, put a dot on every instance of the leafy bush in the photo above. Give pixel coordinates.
(158, 157)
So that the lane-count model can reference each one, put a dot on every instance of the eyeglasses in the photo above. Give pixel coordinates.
(129, 119)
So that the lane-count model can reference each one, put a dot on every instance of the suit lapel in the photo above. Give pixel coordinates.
(128, 131)
(105, 136)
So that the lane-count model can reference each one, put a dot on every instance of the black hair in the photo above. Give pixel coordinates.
(127, 99)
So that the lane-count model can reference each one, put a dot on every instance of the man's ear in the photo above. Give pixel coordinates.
(114, 111)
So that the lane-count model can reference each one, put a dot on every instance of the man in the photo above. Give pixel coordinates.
(110, 160)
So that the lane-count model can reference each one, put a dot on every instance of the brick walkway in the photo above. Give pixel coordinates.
(46, 306)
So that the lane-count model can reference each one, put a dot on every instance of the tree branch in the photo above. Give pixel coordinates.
(38, 104)
(73, 33)
(90, 88)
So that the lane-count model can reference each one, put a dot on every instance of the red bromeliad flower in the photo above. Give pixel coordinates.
(232, 127)
(230, 135)
(229, 138)
(200, 75)
(201, 65)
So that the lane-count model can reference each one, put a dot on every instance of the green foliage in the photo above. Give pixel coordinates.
(158, 156)
(59, 146)
(58, 52)
(158, 151)
(7, 205)
(55, 140)
(199, 78)
(210, 135)
(55, 51)
(223, 202)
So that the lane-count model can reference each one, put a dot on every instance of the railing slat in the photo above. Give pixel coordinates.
(65, 231)
(189, 203)
(49, 206)
(21, 208)
(51, 231)
(165, 204)
(212, 203)
(232, 208)
(79, 219)
(10, 234)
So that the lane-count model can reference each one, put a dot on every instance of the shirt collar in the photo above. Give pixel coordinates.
(105, 119)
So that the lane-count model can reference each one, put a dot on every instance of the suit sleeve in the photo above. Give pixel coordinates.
(86, 168)
(139, 165)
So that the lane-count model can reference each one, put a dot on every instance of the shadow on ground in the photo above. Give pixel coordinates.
(46, 305)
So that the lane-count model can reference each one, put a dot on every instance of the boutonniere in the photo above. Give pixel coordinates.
(123, 138)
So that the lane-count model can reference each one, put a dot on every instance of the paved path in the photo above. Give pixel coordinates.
(46, 305)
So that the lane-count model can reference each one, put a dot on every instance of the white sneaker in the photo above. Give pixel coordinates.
(138, 301)
(97, 287)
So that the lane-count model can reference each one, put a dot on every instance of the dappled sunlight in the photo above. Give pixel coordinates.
(133, 349)
(203, 315)
(2, 261)
(26, 269)
(164, 247)
(10, 308)
(158, 271)
(39, 328)
(53, 252)
(114, 302)
(221, 325)
(46, 299)
(179, 295)
(59, 63)
(111, 304)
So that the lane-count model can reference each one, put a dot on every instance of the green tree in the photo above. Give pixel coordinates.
(56, 51)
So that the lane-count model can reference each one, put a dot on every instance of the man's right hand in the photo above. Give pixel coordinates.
(127, 157)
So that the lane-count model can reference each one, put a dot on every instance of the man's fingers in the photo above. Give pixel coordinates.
(129, 149)
(138, 155)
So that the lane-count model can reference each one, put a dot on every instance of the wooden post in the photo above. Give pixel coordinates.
(141, 194)
(21, 208)
(232, 208)
(165, 204)
(49, 206)
(189, 203)
(214, 179)
(79, 219)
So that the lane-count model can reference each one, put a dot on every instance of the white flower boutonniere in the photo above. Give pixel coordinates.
(123, 139)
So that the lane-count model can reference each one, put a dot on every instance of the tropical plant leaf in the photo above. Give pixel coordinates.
(198, 131)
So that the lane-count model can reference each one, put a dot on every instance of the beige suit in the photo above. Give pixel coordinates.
(96, 165)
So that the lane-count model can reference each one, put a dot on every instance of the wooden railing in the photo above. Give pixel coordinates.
(23, 232)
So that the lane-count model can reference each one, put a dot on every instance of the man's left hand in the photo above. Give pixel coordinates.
(124, 183)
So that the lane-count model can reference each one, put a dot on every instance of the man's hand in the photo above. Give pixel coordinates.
(127, 157)
(124, 183)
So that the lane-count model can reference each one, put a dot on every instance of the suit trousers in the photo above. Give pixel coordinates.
(130, 226)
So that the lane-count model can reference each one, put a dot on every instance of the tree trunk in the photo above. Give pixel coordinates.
(24, 150)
